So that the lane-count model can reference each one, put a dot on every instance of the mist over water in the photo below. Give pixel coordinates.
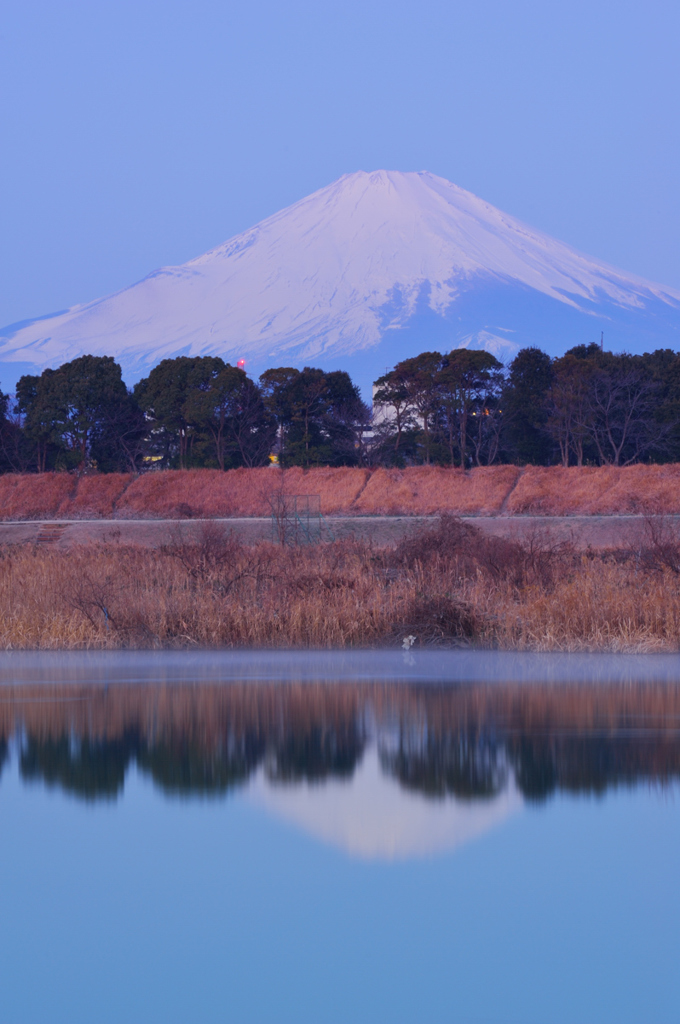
(242, 834)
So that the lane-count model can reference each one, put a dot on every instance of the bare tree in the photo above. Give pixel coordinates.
(570, 407)
(623, 426)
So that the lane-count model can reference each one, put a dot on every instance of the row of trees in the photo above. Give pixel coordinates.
(464, 408)
(586, 407)
(188, 412)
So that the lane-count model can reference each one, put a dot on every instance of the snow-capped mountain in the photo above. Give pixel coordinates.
(374, 268)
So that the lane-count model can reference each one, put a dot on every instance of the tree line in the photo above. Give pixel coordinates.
(587, 407)
(189, 412)
(463, 408)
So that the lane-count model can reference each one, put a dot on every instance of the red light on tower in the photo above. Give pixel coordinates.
(241, 364)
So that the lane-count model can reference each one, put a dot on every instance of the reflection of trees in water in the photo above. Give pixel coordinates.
(186, 768)
(468, 765)
(193, 739)
(4, 753)
(96, 768)
(458, 741)
(590, 764)
(534, 766)
(472, 765)
(313, 755)
(88, 768)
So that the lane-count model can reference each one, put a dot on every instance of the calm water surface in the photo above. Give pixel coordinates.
(369, 837)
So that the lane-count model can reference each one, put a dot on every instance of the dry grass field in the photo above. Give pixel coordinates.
(448, 586)
(419, 490)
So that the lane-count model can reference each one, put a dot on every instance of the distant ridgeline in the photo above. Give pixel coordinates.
(587, 407)
(465, 742)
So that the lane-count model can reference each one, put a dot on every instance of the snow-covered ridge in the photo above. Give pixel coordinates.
(348, 270)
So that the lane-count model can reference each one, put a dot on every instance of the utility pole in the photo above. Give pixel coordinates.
(601, 341)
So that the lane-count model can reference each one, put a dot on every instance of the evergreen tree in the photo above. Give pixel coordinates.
(393, 416)
(420, 376)
(663, 367)
(320, 416)
(76, 416)
(12, 453)
(524, 404)
(163, 396)
(226, 407)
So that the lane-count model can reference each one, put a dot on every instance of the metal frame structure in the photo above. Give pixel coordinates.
(297, 519)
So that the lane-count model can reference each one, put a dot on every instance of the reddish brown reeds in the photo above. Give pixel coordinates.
(204, 713)
(448, 586)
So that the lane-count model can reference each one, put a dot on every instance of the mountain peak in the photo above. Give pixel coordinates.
(370, 269)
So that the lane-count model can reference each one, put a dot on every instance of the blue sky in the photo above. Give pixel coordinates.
(138, 133)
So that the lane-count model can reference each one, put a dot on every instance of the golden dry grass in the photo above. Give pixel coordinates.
(602, 606)
(418, 490)
(446, 587)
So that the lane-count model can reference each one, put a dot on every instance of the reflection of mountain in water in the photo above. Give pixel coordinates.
(369, 815)
(471, 743)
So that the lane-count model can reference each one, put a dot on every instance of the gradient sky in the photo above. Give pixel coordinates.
(137, 133)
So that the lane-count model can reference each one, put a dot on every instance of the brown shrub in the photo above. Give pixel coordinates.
(452, 543)
(457, 547)
(659, 549)
(437, 620)
(217, 559)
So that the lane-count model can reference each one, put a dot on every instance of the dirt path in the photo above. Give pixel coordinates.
(596, 532)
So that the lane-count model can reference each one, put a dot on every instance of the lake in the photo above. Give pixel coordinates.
(378, 836)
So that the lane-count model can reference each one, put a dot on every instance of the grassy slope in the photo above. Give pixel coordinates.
(419, 490)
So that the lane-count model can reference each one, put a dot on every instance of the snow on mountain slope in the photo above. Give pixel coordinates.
(375, 267)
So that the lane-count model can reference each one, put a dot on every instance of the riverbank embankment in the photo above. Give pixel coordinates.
(488, 491)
